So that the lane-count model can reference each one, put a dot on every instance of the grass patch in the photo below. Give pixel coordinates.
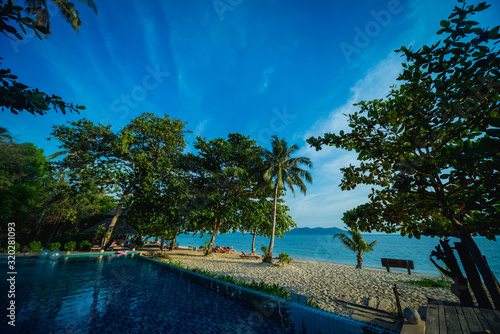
(272, 289)
(430, 283)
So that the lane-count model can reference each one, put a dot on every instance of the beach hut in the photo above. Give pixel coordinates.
(122, 229)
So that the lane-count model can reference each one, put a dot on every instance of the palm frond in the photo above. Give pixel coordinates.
(91, 4)
(346, 241)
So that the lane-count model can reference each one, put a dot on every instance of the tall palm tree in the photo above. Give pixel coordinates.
(281, 169)
(39, 10)
(356, 244)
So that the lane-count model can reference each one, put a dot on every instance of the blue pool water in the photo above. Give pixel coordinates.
(128, 294)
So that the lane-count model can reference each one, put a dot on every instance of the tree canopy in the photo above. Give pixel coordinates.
(18, 97)
(124, 162)
(431, 147)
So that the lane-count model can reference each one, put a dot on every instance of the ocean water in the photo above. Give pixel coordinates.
(324, 248)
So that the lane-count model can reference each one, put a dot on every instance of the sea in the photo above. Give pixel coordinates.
(324, 248)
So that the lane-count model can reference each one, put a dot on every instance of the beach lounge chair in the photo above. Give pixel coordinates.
(95, 248)
(249, 256)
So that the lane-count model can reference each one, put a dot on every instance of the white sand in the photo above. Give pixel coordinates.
(326, 282)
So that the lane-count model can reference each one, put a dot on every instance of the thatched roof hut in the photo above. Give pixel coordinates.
(121, 227)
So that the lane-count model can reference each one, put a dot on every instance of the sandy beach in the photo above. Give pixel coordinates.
(326, 282)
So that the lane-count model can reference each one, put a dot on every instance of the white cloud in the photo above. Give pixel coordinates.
(266, 73)
(325, 203)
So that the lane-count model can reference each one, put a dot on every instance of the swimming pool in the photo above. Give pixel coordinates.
(131, 294)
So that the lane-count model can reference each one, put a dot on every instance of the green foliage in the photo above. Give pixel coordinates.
(17, 247)
(70, 246)
(128, 162)
(223, 180)
(24, 175)
(430, 149)
(85, 245)
(284, 258)
(272, 289)
(18, 97)
(176, 264)
(264, 250)
(35, 246)
(356, 244)
(312, 302)
(54, 246)
(281, 169)
(205, 245)
(430, 283)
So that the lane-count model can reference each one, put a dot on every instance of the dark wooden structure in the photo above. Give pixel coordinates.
(447, 318)
(388, 263)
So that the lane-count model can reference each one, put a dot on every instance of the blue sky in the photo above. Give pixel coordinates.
(289, 68)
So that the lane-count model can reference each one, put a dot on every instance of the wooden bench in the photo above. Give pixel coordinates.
(388, 263)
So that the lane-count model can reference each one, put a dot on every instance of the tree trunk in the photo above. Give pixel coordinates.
(106, 240)
(269, 256)
(488, 277)
(359, 257)
(211, 244)
(253, 241)
(162, 241)
(172, 243)
(459, 286)
(473, 276)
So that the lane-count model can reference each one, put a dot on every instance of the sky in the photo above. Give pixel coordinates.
(286, 68)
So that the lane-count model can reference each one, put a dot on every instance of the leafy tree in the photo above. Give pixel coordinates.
(16, 96)
(431, 147)
(161, 210)
(123, 162)
(256, 217)
(357, 244)
(223, 179)
(24, 172)
(281, 168)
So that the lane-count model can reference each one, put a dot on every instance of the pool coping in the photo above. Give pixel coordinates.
(279, 300)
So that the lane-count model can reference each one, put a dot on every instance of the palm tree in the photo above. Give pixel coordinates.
(281, 169)
(39, 10)
(356, 244)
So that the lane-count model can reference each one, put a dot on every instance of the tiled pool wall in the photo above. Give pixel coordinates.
(299, 317)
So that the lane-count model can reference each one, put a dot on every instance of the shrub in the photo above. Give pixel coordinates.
(284, 258)
(35, 246)
(264, 250)
(17, 247)
(85, 245)
(312, 302)
(54, 246)
(70, 246)
(176, 264)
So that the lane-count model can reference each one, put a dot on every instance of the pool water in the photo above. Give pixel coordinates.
(129, 294)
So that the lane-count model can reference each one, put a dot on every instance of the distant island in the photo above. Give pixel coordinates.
(316, 231)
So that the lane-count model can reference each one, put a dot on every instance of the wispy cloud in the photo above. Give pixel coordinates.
(266, 73)
(325, 203)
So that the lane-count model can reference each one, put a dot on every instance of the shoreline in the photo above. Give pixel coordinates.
(328, 283)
